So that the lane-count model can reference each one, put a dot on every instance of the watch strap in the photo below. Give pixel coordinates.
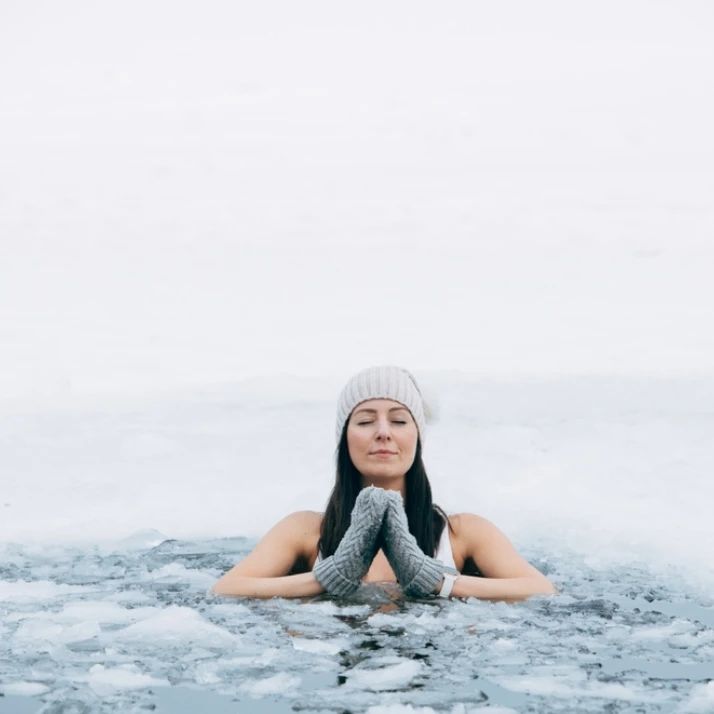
(448, 584)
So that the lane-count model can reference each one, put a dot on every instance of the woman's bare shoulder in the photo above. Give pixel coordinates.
(472, 530)
(292, 538)
(304, 526)
(488, 546)
(468, 521)
(306, 519)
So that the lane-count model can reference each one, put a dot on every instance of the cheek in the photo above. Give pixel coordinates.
(410, 439)
(412, 449)
(355, 441)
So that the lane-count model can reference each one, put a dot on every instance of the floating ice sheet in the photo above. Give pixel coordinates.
(142, 625)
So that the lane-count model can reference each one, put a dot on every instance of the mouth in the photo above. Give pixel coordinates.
(384, 453)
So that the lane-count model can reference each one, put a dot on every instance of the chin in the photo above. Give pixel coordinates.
(383, 475)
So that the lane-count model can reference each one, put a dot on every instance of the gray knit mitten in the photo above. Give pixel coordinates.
(418, 574)
(342, 572)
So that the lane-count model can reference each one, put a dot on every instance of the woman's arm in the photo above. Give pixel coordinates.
(508, 576)
(263, 572)
(301, 585)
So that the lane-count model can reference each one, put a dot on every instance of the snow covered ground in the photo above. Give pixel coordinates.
(617, 468)
(211, 216)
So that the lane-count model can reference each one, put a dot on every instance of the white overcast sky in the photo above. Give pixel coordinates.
(195, 193)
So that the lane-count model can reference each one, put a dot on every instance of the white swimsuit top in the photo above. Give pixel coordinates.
(443, 552)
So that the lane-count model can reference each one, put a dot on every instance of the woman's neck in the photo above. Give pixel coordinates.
(389, 484)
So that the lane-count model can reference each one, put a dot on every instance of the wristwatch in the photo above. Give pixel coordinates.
(448, 584)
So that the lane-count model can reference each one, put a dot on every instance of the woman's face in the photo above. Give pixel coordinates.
(382, 439)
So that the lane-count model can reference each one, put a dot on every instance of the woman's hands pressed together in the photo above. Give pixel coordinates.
(378, 520)
(417, 573)
(342, 572)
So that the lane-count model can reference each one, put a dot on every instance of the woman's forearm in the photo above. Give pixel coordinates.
(501, 588)
(306, 585)
(301, 585)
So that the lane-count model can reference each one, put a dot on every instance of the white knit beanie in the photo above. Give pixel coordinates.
(386, 382)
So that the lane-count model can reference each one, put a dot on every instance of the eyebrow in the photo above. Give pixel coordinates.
(393, 409)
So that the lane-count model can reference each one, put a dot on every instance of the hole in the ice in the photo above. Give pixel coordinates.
(393, 632)
(370, 645)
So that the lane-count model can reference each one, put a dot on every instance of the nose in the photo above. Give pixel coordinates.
(383, 429)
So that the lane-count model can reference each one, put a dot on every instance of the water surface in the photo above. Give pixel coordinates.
(133, 627)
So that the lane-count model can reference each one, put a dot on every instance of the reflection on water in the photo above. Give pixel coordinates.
(133, 627)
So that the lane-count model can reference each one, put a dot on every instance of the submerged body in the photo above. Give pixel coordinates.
(282, 562)
(379, 466)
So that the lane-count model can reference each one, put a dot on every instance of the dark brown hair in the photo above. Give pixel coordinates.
(426, 519)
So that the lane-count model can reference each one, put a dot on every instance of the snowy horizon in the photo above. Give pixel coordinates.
(613, 470)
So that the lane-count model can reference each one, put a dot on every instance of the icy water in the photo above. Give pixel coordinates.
(133, 629)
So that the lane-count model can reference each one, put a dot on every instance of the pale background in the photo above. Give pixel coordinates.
(210, 216)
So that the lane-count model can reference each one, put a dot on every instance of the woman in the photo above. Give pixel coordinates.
(380, 524)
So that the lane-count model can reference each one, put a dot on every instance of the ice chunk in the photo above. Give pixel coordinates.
(399, 709)
(37, 631)
(328, 608)
(329, 647)
(396, 674)
(687, 639)
(24, 689)
(76, 622)
(265, 658)
(569, 682)
(35, 590)
(102, 611)
(132, 597)
(456, 709)
(381, 619)
(676, 627)
(104, 680)
(177, 572)
(177, 626)
(501, 644)
(278, 683)
(208, 673)
(417, 624)
(231, 609)
(325, 607)
(79, 632)
(139, 540)
(700, 700)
